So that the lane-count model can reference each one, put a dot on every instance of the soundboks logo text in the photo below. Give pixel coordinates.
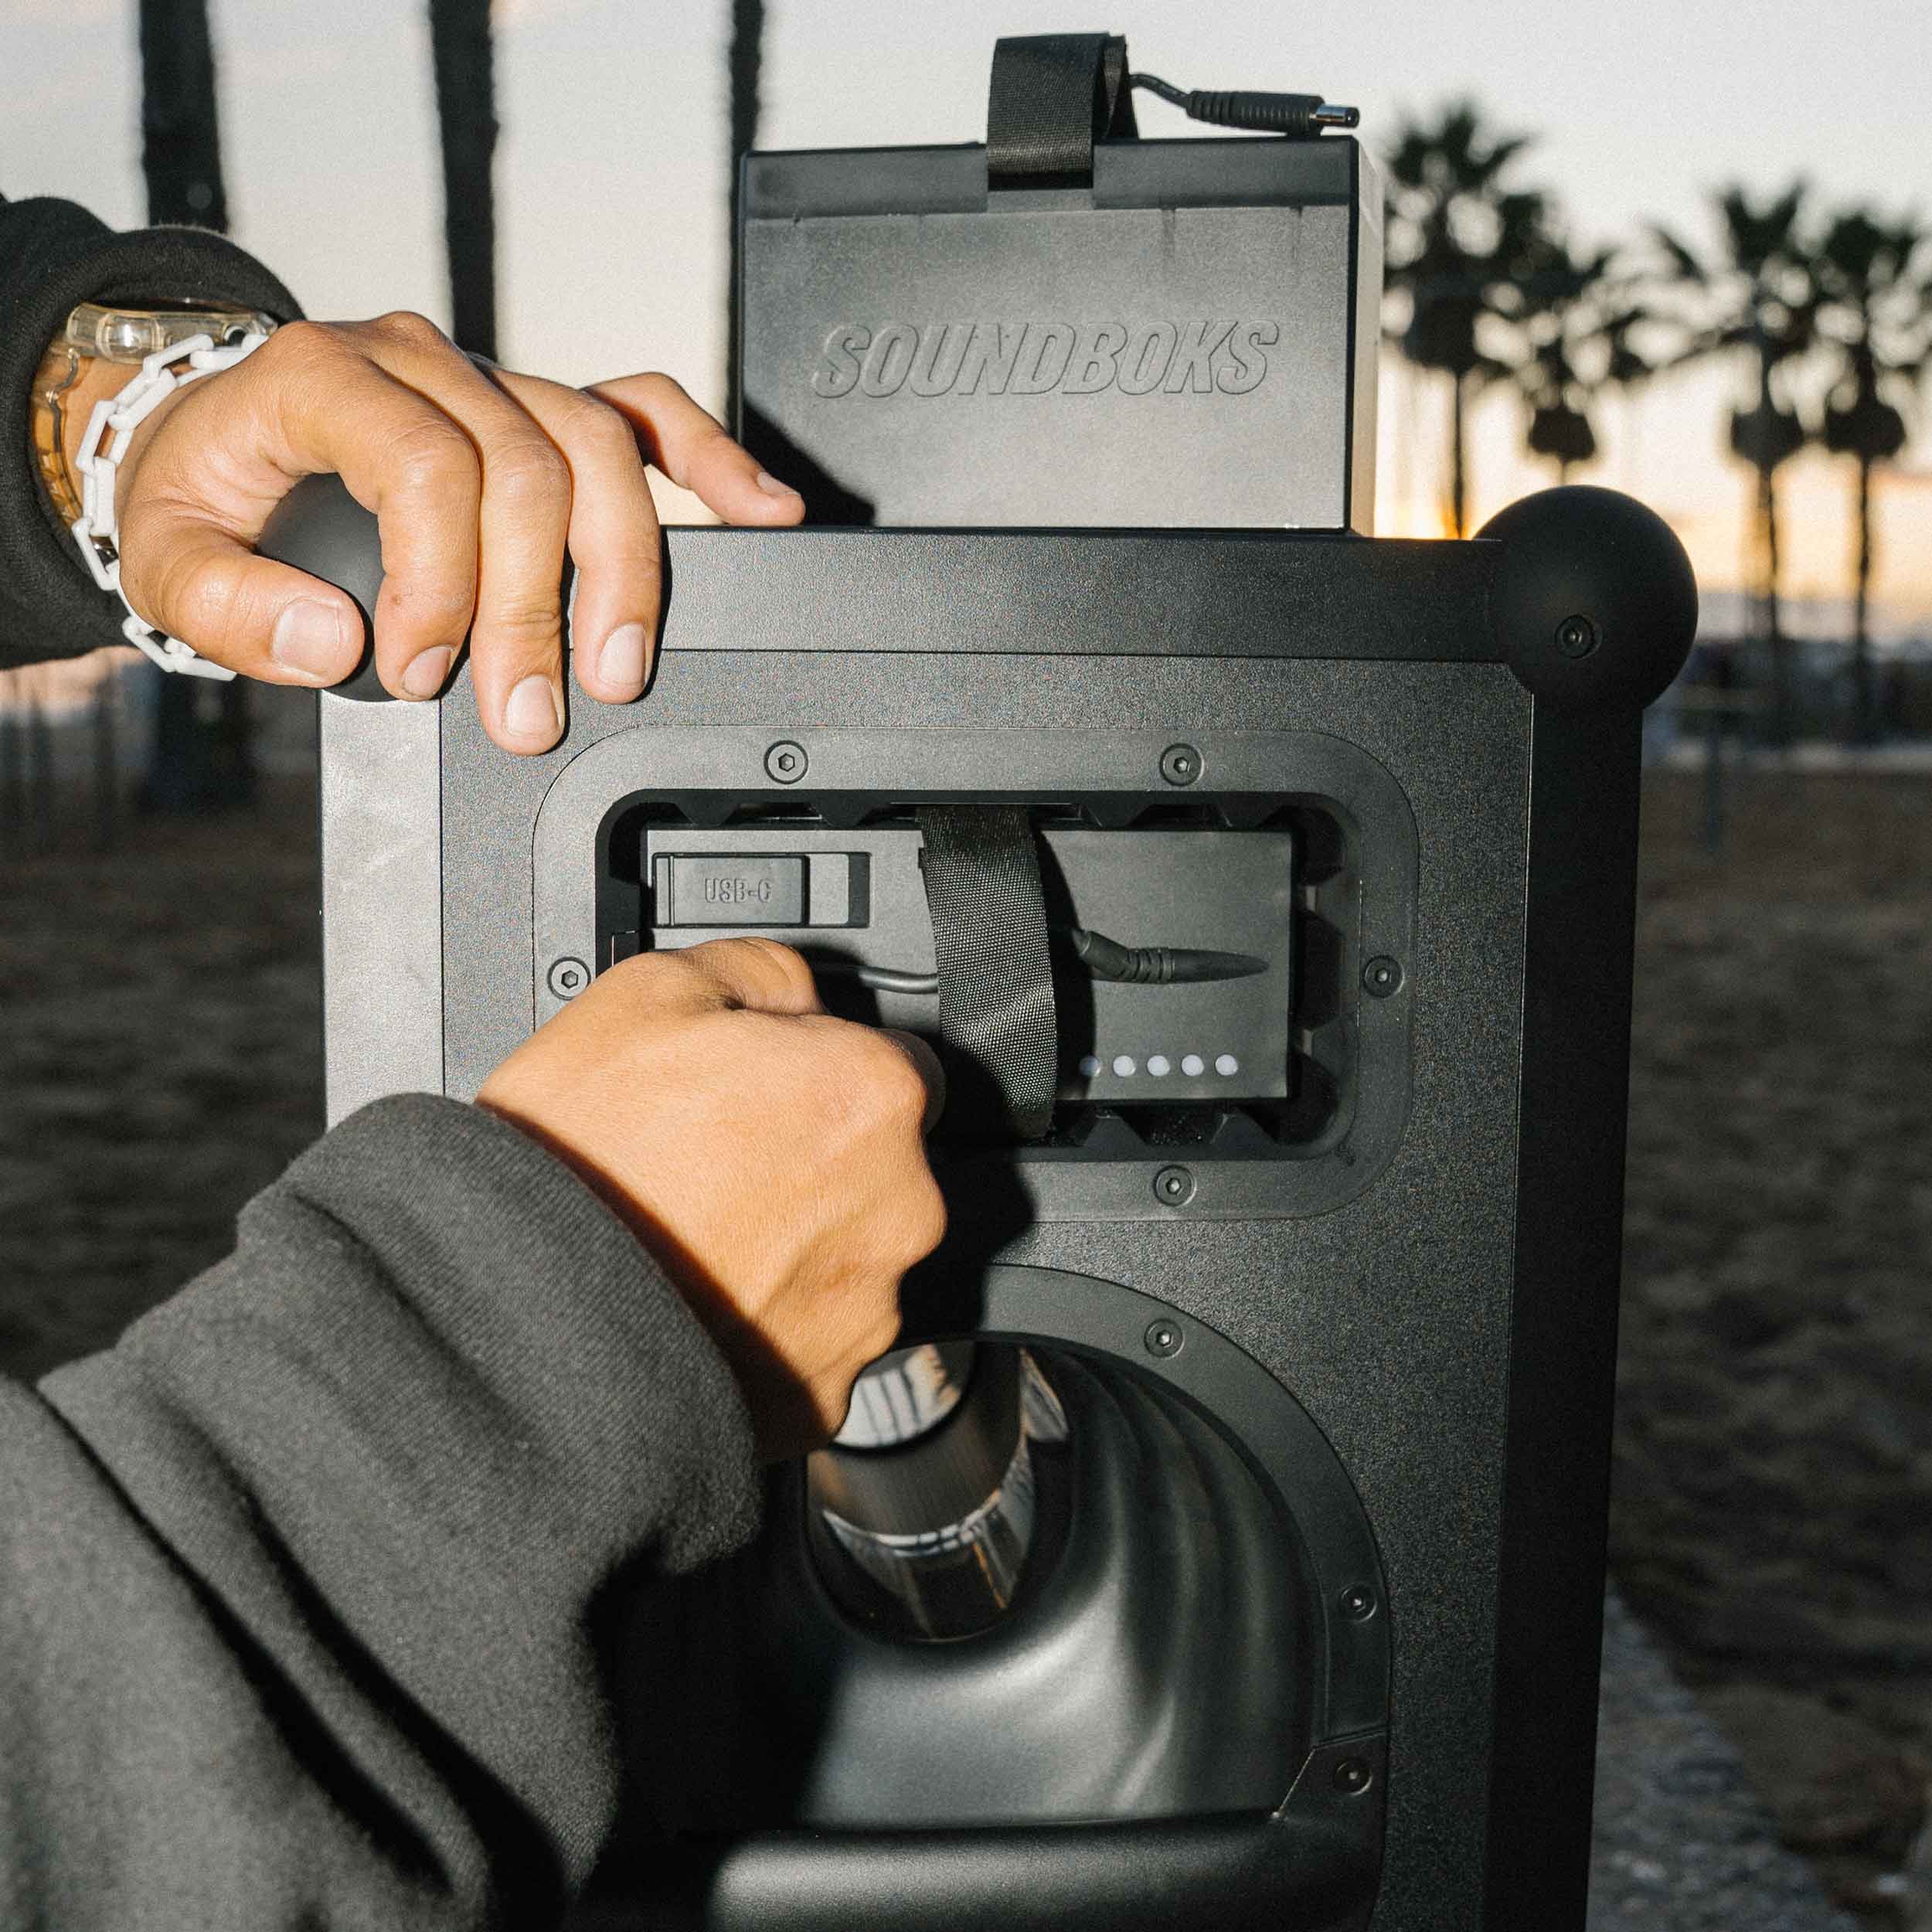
(1039, 358)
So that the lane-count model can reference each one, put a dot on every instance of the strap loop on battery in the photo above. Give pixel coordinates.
(1053, 95)
(996, 1014)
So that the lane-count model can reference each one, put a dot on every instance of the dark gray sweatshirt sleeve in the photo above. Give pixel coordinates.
(296, 1582)
(53, 255)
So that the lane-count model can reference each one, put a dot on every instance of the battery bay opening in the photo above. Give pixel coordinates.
(1289, 1093)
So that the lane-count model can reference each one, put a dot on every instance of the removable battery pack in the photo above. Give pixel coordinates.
(1190, 340)
(868, 933)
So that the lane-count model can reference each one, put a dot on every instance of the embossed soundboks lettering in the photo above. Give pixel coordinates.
(1041, 358)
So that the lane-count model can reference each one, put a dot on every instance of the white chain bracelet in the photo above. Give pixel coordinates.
(98, 530)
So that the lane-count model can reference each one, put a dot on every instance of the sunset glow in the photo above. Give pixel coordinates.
(611, 176)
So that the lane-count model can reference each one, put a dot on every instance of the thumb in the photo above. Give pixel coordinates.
(263, 619)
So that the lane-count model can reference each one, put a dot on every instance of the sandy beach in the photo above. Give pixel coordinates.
(160, 1061)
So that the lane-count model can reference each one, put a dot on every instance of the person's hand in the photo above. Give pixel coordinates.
(771, 1156)
(480, 480)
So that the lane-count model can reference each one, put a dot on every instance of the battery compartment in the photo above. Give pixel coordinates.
(1256, 1067)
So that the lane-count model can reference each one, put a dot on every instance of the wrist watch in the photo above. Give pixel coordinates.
(95, 332)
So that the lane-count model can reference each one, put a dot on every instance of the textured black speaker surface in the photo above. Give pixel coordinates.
(1449, 1328)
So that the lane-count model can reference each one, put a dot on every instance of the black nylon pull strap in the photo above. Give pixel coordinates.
(996, 1015)
(1053, 95)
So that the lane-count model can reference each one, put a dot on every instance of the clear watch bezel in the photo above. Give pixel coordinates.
(113, 333)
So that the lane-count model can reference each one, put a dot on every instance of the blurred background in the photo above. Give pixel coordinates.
(1682, 251)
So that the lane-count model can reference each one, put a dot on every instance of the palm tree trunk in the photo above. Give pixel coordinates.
(195, 761)
(466, 115)
(181, 137)
(745, 62)
(1458, 460)
(1864, 720)
(1408, 435)
(1784, 696)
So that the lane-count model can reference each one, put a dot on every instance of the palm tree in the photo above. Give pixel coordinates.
(744, 63)
(1756, 303)
(181, 136)
(1579, 321)
(466, 117)
(196, 761)
(1878, 319)
(1461, 244)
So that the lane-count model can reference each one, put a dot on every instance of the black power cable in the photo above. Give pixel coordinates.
(1104, 959)
(1298, 117)
(1107, 959)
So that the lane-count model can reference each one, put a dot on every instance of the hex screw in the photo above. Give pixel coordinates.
(1180, 764)
(1174, 1186)
(786, 762)
(568, 977)
(1352, 1775)
(1381, 975)
(1358, 1601)
(1163, 1337)
(1577, 637)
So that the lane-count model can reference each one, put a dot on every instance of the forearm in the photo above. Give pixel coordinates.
(325, 1530)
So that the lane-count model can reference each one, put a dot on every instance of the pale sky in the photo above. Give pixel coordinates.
(611, 173)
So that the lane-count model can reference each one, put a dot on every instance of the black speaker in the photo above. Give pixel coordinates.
(1226, 1547)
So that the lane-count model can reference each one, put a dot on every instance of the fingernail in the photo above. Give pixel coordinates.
(535, 710)
(620, 662)
(427, 670)
(772, 487)
(311, 638)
